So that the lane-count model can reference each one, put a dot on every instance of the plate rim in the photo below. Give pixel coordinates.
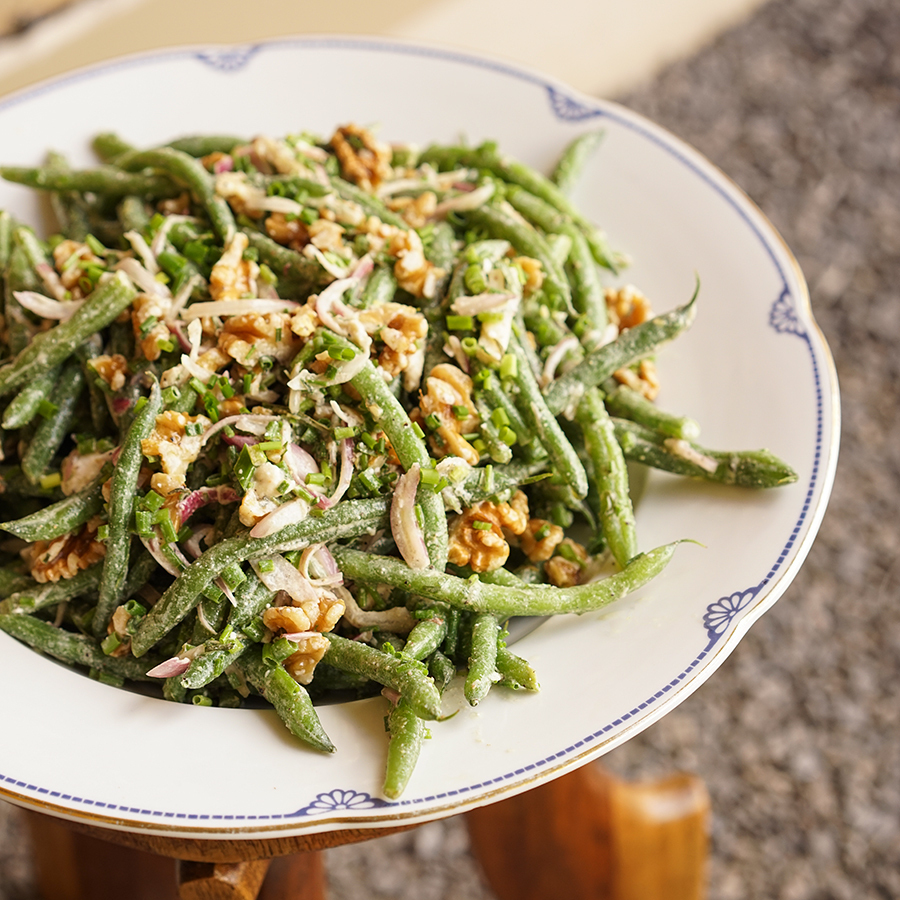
(229, 57)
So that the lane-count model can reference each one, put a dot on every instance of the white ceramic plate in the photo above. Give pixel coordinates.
(754, 370)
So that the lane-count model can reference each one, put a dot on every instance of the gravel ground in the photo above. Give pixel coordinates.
(798, 734)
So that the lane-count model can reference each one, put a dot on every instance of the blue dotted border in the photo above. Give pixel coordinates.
(565, 108)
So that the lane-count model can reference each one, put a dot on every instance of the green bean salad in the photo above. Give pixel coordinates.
(308, 418)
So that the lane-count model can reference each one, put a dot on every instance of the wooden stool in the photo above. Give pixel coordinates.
(587, 833)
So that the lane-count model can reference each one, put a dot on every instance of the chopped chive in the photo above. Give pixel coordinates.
(110, 643)
(198, 386)
(266, 565)
(48, 482)
(432, 422)
(481, 525)
(369, 480)
(469, 345)
(543, 532)
(316, 478)
(47, 410)
(461, 412)
(417, 430)
(168, 530)
(508, 436)
(247, 382)
(103, 533)
(460, 323)
(499, 417)
(233, 576)
(201, 700)
(341, 434)
(487, 479)
(508, 366)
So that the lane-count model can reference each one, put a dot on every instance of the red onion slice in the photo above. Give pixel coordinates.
(171, 668)
(46, 307)
(404, 526)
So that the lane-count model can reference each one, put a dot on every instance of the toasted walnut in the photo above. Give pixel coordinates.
(69, 258)
(539, 539)
(534, 274)
(449, 389)
(315, 614)
(241, 196)
(485, 549)
(327, 235)
(176, 206)
(645, 379)
(305, 320)
(416, 211)
(148, 314)
(401, 329)
(118, 625)
(413, 272)
(564, 572)
(233, 277)
(250, 337)
(292, 233)
(627, 307)
(112, 369)
(66, 555)
(176, 449)
(364, 160)
(310, 650)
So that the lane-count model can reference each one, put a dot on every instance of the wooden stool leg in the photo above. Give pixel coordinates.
(73, 866)
(596, 838)
(221, 881)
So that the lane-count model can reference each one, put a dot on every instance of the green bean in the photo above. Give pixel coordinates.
(49, 348)
(407, 734)
(7, 225)
(371, 205)
(19, 277)
(43, 596)
(13, 482)
(441, 669)
(297, 275)
(107, 180)
(121, 505)
(142, 566)
(216, 657)
(410, 449)
(379, 289)
(528, 242)
(426, 636)
(24, 406)
(250, 600)
(75, 649)
(51, 432)
(491, 390)
(132, 214)
(442, 254)
(542, 422)
(571, 163)
(406, 676)
(616, 512)
(108, 146)
(290, 699)
(515, 172)
(12, 581)
(499, 451)
(65, 515)
(190, 172)
(68, 208)
(515, 672)
(745, 468)
(482, 658)
(198, 145)
(348, 519)
(502, 601)
(564, 393)
(625, 403)
(587, 292)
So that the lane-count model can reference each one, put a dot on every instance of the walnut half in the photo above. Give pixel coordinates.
(476, 536)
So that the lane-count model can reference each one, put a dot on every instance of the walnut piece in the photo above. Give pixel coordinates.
(310, 650)
(291, 233)
(645, 380)
(364, 160)
(416, 211)
(66, 555)
(540, 549)
(448, 388)
(534, 274)
(413, 272)
(566, 572)
(251, 336)
(485, 549)
(176, 449)
(627, 307)
(71, 272)
(319, 614)
(401, 328)
(112, 369)
(233, 277)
